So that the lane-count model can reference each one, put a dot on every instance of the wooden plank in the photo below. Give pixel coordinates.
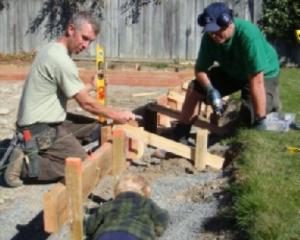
(185, 85)
(55, 213)
(95, 167)
(179, 149)
(176, 96)
(73, 177)
(162, 119)
(143, 94)
(214, 161)
(201, 149)
(119, 151)
(172, 104)
(162, 99)
(135, 148)
(156, 141)
(198, 122)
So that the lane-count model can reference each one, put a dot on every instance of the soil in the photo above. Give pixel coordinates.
(197, 201)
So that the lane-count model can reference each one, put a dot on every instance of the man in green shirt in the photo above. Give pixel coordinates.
(47, 133)
(245, 62)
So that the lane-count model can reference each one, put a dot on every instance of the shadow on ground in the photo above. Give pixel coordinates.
(33, 230)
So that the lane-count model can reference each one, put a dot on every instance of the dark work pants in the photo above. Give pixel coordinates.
(70, 135)
(226, 85)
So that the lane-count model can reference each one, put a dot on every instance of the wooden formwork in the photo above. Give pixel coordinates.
(64, 203)
(174, 100)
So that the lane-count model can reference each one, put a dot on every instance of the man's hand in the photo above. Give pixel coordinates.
(261, 123)
(214, 98)
(122, 117)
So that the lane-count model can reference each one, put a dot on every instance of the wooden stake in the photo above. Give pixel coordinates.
(74, 190)
(198, 122)
(119, 151)
(201, 149)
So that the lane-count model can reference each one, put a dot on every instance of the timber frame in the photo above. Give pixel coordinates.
(64, 202)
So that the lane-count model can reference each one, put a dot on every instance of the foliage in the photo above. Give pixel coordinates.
(133, 7)
(281, 18)
(3, 4)
(58, 12)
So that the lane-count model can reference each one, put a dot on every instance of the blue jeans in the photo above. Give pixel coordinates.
(117, 235)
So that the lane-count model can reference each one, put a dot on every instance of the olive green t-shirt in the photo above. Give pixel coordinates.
(52, 80)
(247, 52)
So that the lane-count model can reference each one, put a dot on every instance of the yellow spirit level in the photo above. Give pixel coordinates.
(100, 83)
(297, 32)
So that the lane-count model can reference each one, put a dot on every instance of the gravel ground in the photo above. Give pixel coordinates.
(191, 197)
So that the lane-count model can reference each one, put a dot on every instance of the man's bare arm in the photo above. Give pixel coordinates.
(203, 79)
(257, 90)
(93, 106)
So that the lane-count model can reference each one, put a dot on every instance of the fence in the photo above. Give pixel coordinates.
(167, 31)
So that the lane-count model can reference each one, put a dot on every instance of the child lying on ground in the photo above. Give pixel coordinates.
(132, 215)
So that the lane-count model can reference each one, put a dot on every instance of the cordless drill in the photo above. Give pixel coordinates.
(214, 98)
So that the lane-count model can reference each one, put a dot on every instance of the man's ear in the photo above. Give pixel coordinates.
(70, 30)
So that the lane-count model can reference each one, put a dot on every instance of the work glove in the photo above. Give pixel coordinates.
(213, 97)
(261, 123)
(272, 122)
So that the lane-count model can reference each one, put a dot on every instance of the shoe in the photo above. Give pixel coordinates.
(13, 170)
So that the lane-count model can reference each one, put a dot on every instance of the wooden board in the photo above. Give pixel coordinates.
(55, 200)
(156, 141)
(55, 208)
(119, 152)
(73, 170)
(201, 149)
(198, 122)
(166, 144)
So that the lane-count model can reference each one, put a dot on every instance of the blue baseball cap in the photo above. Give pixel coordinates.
(215, 16)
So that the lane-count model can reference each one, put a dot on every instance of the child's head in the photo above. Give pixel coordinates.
(133, 183)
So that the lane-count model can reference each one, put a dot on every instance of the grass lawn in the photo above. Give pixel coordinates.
(267, 187)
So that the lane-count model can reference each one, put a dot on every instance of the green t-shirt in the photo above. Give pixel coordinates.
(52, 80)
(247, 52)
